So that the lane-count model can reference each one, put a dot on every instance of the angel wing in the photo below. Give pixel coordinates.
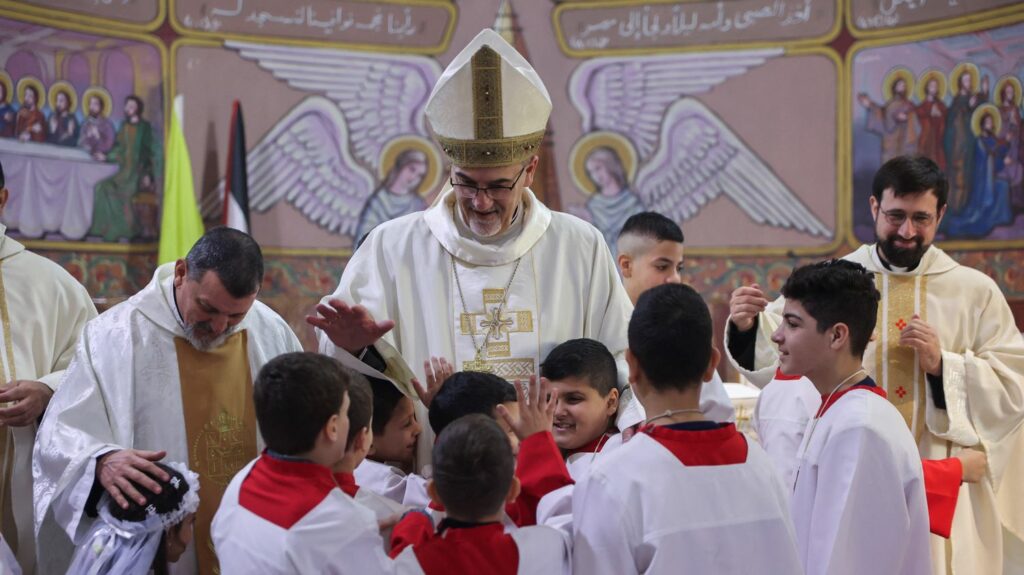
(630, 94)
(382, 96)
(304, 160)
(700, 158)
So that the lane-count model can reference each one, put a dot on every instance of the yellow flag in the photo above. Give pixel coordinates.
(181, 225)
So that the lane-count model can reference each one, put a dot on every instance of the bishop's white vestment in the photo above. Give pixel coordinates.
(125, 389)
(43, 309)
(982, 386)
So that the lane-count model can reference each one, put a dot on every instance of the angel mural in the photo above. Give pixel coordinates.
(641, 111)
(362, 122)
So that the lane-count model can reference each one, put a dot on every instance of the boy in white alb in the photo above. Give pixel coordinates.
(474, 479)
(283, 513)
(684, 493)
(859, 498)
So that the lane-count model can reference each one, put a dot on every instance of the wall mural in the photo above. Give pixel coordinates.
(756, 124)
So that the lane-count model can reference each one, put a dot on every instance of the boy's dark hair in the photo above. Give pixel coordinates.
(385, 398)
(169, 499)
(911, 175)
(233, 255)
(360, 405)
(837, 291)
(295, 394)
(582, 358)
(670, 336)
(652, 225)
(466, 392)
(473, 467)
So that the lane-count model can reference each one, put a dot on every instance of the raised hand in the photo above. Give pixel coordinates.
(744, 305)
(116, 471)
(351, 328)
(536, 408)
(437, 370)
(922, 337)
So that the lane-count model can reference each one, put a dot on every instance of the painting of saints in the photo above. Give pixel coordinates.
(136, 151)
(988, 205)
(1008, 95)
(895, 120)
(398, 194)
(959, 139)
(931, 115)
(30, 122)
(62, 128)
(7, 111)
(613, 201)
(97, 134)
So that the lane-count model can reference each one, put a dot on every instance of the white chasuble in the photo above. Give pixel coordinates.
(43, 310)
(982, 383)
(123, 390)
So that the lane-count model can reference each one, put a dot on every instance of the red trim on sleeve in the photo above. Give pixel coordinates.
(722, 446)
(942, 479)
(283, 492)
(347, 483)
(541, 470)
(414, 529)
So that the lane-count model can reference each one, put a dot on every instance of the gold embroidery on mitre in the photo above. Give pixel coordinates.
(487, 112)
(491, 153)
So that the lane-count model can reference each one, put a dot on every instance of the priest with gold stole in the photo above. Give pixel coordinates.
(949, 356)
(42, 313)
(166, 374)
(487, 276)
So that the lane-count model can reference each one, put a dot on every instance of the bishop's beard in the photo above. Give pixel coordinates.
(899, 256)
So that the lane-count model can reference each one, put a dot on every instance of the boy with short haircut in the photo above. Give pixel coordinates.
(525, 418)
(651, 254)
(583, 373)
(859, 499)
(474, 480)
(360, 438)
(684, 492)
(284, 513)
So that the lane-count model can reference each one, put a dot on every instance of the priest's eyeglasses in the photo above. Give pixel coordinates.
(920, 220)
(492, 191)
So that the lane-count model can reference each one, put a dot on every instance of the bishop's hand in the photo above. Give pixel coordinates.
(536, 408)
(744, 305)
(118, 469)
(351, 328)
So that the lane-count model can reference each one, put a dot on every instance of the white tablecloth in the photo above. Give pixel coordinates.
(51, 188)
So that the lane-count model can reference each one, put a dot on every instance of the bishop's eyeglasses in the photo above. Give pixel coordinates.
(495, 192)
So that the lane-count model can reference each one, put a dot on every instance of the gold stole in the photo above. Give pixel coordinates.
(220, 423)
(896, 367)
(6, 436)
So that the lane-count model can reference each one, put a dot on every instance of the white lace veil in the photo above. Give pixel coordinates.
(128, 547)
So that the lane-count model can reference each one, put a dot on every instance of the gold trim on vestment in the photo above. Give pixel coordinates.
(6, 437)
(491, 153)
(897, 367)
(220, 424)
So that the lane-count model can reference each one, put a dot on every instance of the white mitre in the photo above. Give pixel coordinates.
(489, 108)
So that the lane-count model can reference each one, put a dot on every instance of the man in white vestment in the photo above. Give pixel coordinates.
(488, 276)
(167, 373)
(946, 351)
(42, 312)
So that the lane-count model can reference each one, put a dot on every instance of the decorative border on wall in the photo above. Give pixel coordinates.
(22, 11)
(941, 27)
(848, 112)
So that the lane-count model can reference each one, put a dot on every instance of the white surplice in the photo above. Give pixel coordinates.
(328, 532)
(44, 311)
(452, 294)
(408, 489)
(641, 510)
(780, 419)
(859, 500)
(122, 390)
(983, 384)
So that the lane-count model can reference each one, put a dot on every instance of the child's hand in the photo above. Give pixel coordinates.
(437, 370)
(536, 408)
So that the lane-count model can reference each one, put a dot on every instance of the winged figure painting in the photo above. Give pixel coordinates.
(649, 144)
(362, 123)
